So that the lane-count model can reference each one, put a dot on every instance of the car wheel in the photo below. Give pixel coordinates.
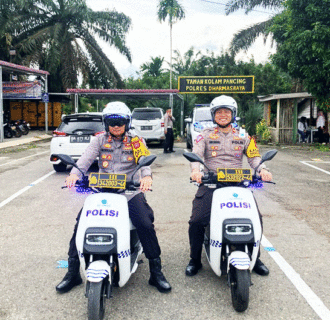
(61, 167)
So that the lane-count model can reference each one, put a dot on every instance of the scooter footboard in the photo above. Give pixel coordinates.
(232, 203)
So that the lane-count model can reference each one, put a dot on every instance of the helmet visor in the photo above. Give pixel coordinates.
(115, 120)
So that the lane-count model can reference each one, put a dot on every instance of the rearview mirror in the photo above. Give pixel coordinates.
(147, 161)
(269, 155)
(66, 159)
(193, 157)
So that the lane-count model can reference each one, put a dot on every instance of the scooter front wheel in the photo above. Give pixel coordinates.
(239, 286)
(96, 300)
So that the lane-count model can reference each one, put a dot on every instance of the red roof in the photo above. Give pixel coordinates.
(21, 68)
(121, 91)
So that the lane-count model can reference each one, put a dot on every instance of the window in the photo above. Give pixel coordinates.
(146, 114)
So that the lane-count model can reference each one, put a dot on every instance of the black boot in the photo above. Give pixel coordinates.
(260, 268)
(193, 267)
(157, 278)
(72, 278)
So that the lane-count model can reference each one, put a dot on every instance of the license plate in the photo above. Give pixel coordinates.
(234, 175)
(107, 180)
(80, 139)
(146, 127)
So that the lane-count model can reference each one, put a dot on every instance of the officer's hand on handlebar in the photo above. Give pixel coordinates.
(145, 183)
(265, 175)
(196, 176)
(71, 180)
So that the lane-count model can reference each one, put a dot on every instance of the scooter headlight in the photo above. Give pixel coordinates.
(99, 239)
(236, 229)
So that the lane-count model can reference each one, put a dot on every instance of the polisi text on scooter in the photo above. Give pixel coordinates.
(110, 213)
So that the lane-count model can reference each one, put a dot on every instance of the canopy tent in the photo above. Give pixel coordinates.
(10, 68)
(120, 94)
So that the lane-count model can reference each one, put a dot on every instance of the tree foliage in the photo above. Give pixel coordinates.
(246, 37)
(60, 36)
(268, 79)
(302, 32)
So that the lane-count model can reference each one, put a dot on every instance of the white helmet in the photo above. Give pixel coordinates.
(117, 113)
(224, 102)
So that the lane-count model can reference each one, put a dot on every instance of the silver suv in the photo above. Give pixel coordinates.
(149, 123)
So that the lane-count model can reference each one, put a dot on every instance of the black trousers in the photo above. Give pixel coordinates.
(142, 217)
(200, 218)
(169, 141)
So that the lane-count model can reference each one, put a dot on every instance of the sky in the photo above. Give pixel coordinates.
(205, 27)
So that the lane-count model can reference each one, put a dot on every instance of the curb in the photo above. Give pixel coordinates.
(21, 141)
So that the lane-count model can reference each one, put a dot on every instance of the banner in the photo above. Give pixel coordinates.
(21, 90)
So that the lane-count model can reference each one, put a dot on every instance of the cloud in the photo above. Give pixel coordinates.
(205, 27)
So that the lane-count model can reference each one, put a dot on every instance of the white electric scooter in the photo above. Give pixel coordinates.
(107, 242)
(232, 239)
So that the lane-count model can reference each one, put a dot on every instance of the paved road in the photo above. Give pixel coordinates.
(37, 218)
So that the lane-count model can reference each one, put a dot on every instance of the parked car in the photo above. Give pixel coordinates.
(73, 135)
(200, 118)
(148, 123)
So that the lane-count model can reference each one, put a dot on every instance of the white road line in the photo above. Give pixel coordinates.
(308, 164)
(23, 158)
(313, 300)
(3, 203)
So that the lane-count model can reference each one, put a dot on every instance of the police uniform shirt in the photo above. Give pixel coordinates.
(225, 150)
(115, 156)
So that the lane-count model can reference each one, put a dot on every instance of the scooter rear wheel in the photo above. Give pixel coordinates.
(96, 300)
(240, 283)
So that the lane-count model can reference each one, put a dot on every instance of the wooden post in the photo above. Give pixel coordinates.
(278, 121)
(294, 124)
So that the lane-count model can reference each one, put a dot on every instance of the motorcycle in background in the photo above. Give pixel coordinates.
(232, 239)
(23, 126)
(9, 131)
(15, 128)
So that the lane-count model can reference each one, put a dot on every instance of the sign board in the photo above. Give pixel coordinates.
(45, 97)
(219, 85)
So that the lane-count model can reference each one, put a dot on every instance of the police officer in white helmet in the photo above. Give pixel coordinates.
(115, 150)
(221, 147)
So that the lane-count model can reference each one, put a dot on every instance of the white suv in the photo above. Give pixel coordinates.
(148, 123)
(200, 118)
(73, 136)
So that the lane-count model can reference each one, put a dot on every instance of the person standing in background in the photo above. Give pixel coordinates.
(168, 129)
(320, 125)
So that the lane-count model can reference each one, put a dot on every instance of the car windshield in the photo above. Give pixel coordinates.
(203, 115)
(146, 114)
(88, 125)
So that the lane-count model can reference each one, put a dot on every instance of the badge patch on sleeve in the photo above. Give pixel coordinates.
(139, 148)
(199, 138)
(252, 150)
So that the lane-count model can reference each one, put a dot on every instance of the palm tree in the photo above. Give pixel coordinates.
(153, 68)
(245, 38)
(60, 36)
(174, 11)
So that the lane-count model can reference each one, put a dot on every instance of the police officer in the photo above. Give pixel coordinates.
(115, 150)
(168, 130)
(221, 147)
